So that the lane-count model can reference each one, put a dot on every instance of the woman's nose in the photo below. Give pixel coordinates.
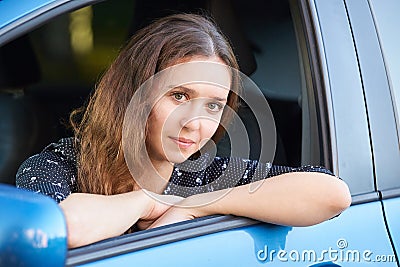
(192, 123)
(191, 114)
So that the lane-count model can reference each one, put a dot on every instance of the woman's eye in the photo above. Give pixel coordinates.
(179, 96)
(214, 106)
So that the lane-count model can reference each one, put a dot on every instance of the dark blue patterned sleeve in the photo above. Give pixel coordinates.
(51, 172)
(258, 171)
(207, 174)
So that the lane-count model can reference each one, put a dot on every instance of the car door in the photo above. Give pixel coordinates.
(336, 133)
(339, 127)
(373, 87)
(384, 38)
(340, 89)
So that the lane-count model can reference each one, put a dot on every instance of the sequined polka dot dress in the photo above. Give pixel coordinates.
(53, 172)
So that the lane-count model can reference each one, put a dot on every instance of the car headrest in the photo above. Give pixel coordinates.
(18, 65)
(226, 17)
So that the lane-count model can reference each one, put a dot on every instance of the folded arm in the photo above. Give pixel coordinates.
(295, 199)
(92, 218)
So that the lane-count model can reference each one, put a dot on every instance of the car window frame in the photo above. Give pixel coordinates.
(388, 173)
(38, 17)
(130, 243)
(326, 75)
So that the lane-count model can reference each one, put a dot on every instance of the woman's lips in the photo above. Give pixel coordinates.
(183, 142)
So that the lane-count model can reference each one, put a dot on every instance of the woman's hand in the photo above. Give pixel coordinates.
(158, 205)
(190, 208)
(174, 215)
(92, 218)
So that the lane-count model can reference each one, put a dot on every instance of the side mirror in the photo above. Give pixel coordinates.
(33, 231)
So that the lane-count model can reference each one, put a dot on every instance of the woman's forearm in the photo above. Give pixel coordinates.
(296, 199)
(92, 218)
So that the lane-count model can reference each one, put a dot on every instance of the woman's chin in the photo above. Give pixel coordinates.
(177, 158)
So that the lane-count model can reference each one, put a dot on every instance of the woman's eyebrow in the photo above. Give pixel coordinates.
(185, 89)
(219, 99)
(195, 93)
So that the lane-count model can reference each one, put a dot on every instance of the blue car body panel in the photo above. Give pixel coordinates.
(378, 96)
(32, 229)
(392, 207)
(350, 129)
(260, 244)
(387, 21)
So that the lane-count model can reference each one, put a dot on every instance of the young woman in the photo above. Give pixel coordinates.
(101, 189)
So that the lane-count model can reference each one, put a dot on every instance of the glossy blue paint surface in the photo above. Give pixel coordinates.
(32, 229)
(378, 95)
(11, 10)
(351, 128)
(392, 208)
(357, 231)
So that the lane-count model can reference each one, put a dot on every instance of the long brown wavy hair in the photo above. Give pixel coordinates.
(98, 134)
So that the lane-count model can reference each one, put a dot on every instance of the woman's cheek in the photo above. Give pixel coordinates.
(209, 129)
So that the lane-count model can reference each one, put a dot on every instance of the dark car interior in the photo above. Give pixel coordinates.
(45, 74)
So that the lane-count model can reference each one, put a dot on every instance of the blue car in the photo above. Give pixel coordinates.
(329, 69)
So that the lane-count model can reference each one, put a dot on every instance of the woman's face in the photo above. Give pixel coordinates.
(186, 117)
